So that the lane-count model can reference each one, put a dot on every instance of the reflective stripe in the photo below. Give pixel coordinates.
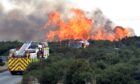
(18, 64)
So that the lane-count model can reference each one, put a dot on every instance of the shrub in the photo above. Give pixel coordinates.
(2, 64)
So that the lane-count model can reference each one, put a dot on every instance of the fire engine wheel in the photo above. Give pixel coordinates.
(13, 72)
(20, 72)
(17, 72)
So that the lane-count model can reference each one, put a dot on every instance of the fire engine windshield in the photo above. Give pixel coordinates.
(33, 45)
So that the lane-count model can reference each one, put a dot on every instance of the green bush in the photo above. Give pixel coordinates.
(2, 64)
(31, 77)
(33, 66)
(103, 62)
(80, 72)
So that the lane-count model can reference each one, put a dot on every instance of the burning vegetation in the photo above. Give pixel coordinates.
(25, 19)
(81, 27)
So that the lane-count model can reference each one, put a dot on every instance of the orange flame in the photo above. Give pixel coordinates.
(54, 18)
(121, 32)
(79, 28)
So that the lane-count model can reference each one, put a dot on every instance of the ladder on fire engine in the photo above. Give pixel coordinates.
(24, 47)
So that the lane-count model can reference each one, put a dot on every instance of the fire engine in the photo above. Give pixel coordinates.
(78, 43)
(18, 60)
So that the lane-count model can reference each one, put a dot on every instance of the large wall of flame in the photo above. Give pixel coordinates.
(81, 27)
(26, 20)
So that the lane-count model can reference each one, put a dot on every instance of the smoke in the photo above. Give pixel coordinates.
(25, 19)
(100, 21)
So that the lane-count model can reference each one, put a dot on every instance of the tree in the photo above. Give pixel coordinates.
(118, 74)
(79, 72)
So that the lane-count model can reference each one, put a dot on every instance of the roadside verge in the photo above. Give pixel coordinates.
(3, 68)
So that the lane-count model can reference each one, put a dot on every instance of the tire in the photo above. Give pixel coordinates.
(17, 72)
(13, 72)
(20, 72)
